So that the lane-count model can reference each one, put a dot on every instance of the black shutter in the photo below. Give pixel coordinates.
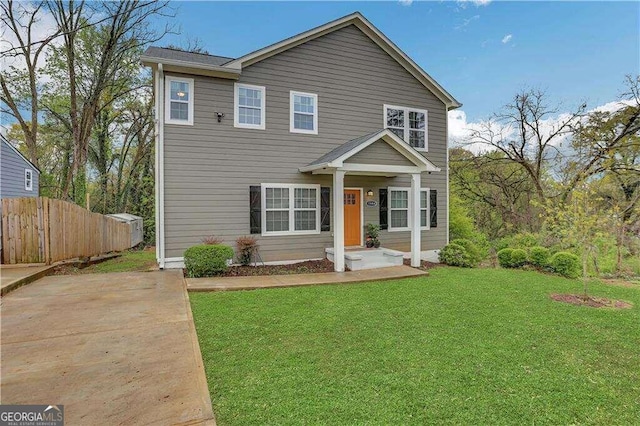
(383, 203)
(433, 207)
(255, 215)
(325, 208)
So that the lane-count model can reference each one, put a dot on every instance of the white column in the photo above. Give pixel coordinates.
(338, 220)
(415, 222)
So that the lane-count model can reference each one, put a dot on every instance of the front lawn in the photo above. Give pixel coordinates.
(462, 346)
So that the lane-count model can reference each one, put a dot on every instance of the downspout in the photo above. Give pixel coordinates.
(160, 151)
(446, 139)
(156, 122)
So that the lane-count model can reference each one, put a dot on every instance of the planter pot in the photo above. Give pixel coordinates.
(369, 244)
(376, 244)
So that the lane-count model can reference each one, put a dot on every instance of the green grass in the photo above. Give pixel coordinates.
(463, 346)
(130, 261)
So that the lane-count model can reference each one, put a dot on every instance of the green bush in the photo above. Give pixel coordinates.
(455, 255)
(518, 258)
(207, 260)
(565, 264)
(472, 250)
(539, 256)
(504, 257)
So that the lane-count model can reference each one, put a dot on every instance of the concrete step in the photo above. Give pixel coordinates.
(357, 260)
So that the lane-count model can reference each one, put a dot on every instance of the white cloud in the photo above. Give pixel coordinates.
(466, 22)
(506, 39)
(476, 3)
(460, 129)
(405, 2)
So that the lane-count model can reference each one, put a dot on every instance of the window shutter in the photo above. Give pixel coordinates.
(325, 208)
(383, 203)
(255, 215)
(433, 204)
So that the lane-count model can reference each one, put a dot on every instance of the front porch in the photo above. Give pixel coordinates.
(357, 259)
(380, 154)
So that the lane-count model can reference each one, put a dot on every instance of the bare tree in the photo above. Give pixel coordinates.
(521, 134)
(19, 81)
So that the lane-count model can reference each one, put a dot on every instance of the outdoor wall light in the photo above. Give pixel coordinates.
(370, 193)
(220, 115)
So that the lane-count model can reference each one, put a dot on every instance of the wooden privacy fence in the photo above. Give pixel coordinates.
(44, 230)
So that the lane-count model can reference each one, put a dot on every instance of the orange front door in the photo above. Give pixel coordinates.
(352, 225)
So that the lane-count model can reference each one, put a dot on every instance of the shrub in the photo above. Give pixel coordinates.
(207, 260)
(471, 249)
(246, 247)
(539, 256)
(455, 255)
(504, 257)
(211, 240)
(565, 264)
(518, 258)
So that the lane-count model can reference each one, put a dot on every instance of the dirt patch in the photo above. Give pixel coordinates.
(622, 283)
(424, 265)
(591, 301)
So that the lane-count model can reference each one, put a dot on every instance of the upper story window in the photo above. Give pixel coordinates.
(250, 106)
(304, 113)
(179, 105)
(408, 123)
(28, 179)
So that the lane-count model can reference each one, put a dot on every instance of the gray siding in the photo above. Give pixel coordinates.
(12, 174)
(380, 153)
(210, 165)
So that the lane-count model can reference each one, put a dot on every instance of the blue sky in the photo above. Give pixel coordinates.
(576, 51)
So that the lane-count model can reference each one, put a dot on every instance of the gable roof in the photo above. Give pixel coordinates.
(356, 19)
(181, 55)
(337, 156)
(14, 149)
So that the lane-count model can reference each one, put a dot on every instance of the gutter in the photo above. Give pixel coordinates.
(150, 60)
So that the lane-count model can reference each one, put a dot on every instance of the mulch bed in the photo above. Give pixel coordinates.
(591, 301)
(424, 265)
(308, 267)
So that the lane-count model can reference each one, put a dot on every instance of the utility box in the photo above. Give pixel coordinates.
(135, 222)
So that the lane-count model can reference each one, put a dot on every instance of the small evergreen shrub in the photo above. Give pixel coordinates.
(504, 257)
(518, 258)
(207, 260)
(455, 255)
(472, 250)
(539, 256)
(565, 264)
(247, 246)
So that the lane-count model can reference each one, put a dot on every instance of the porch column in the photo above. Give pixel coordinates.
(338, 220)
(415, 223)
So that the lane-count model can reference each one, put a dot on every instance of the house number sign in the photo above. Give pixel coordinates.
(372, 203)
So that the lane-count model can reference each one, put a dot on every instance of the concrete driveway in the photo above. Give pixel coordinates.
(112, 348)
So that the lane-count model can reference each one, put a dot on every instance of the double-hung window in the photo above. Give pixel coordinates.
(400, 218)
(399, 209)
(410, 124)
(250, 106)
(424, 208)
(290, 209)
(28, 180)
(179, 100)
(304, 113)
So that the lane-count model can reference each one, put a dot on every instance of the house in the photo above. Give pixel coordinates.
(18, 177)
(301, 143)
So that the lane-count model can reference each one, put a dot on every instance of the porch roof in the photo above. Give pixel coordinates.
(335, 159)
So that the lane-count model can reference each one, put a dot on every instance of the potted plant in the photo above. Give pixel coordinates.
(373, 231)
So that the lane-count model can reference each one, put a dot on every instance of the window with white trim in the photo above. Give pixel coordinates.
(179, 100)
(399, 209)
(304, 113)
(28, 179)
(290, 209)
(408, 123)
(424, 209)
(250, 106)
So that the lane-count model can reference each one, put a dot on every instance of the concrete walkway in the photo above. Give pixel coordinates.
(14, 276)
(294, 280)
(112, 348)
